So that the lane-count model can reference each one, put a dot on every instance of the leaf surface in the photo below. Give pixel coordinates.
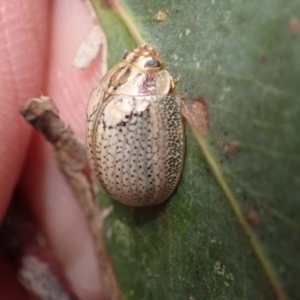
(242, 59)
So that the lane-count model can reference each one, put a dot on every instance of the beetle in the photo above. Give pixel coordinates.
(135, 134)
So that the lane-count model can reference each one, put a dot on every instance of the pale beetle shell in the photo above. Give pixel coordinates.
(135, 134)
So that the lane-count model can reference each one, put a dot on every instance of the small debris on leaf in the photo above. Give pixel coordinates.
(253, 217)
(161, 15)
(294, 25)
(197, 115)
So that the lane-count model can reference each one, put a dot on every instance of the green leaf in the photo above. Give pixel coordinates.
(243, 59)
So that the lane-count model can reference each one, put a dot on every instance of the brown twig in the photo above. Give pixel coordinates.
(71, 157)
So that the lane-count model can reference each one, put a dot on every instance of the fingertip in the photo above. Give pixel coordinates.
(23, 28)
(69, 86)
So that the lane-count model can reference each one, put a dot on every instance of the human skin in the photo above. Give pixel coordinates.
(38, 41)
